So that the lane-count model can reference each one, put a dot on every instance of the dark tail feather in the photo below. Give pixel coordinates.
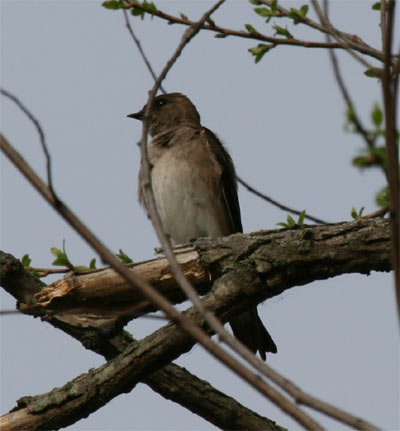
(249, 329)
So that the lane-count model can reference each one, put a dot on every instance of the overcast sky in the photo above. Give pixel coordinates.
(76, 68)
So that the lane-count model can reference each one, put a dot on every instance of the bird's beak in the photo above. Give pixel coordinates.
(137, 116)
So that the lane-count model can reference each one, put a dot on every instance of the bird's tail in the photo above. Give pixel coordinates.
(249, 329)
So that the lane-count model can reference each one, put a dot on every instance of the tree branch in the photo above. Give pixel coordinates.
(42, 138)
(89, 392)
(275, 41)
(167, 381)
(231, 290)
(277, 204)
(364, 245)
(140, 49)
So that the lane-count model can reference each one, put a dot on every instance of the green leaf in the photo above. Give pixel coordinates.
(61, 256)
(26, 260)
(298, 15)
(149, 7)
(61, 260)
(220, 35)
(273, 6)
(351, 120)
(210, 21)
(360, 162)
(250, 28)
(285, 225)
(377, 115)
(282, 31)
(138, 12)
(124, 258)
(112, 4)
(254, 2)
(356, 215)
(304, 10)
(300, 221)
(35, 273)
(183, 16)
(375, 72)
(382, 198)
(92, 264)
(380, 156)
(263, 11)
(291, 221)
(376, 6)
(259, 51)
(350, 113)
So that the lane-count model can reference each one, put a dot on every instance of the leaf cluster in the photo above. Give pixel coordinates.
(145, 7)
(62, 260)
(291, 223)
(269, 11)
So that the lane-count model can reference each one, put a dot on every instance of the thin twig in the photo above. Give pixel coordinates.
(9, 312)
(337, 35)
(346, 95)
(389, 90)
(321, 406)
(343, 88)
(139, 47)
(277, 204)
(379, 213)
(41, 137)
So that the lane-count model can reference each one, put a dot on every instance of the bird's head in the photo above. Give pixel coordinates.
(167, 112)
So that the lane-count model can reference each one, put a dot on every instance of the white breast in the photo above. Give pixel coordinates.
(189, 200)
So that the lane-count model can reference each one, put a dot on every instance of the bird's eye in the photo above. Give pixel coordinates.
(161, 102)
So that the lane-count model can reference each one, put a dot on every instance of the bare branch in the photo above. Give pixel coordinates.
(277, 204)
(346, 95)
(42, 138)
(343, 88)
(139, 47)
(337, 35)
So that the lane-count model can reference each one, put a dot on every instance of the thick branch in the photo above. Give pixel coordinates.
(167, 381)
(283, 258)
(88, 392)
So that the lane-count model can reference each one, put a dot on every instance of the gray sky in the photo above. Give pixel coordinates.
(74, 65)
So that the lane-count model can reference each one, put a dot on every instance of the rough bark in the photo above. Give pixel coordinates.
(172, 382)
(247, 269)
(280, 258)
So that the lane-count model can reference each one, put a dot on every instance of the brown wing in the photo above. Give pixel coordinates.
(228, 179)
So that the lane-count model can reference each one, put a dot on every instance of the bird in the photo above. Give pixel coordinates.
(195, 190)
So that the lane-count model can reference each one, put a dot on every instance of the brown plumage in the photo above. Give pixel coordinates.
(195, 189)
